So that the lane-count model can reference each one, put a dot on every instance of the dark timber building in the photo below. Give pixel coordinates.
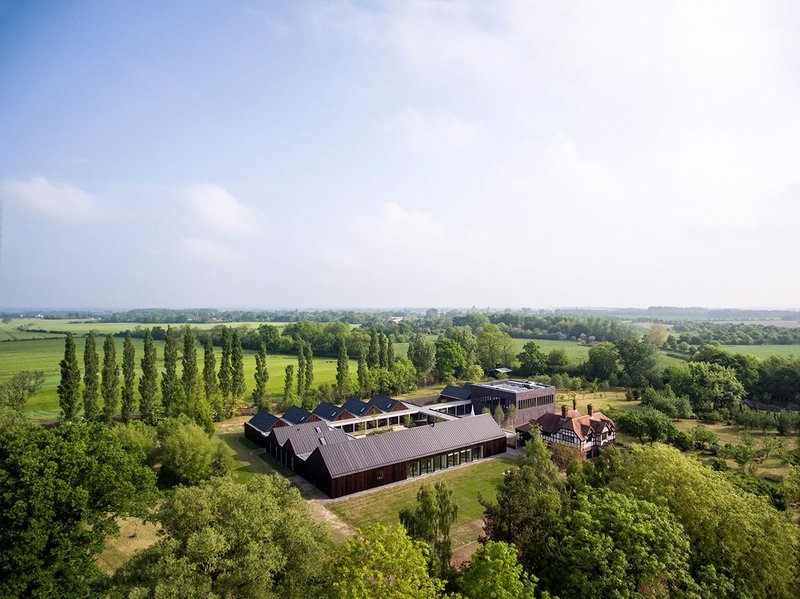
(351, 466)
(530, 399)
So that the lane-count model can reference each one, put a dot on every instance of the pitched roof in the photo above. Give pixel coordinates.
(295, 415)
(284, 433)
(303, 444)
(580, 425)
(452, 392)
(375, 451)
(263, 421)
(356, 407)
(385, 404)
(328, 411)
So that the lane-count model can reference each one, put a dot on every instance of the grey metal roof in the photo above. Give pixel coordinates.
(385, 404)
(303, 445)
(502, 370)
(263, 421)
(284, 433)
(375, 451)
(452, 392)
(295, 415)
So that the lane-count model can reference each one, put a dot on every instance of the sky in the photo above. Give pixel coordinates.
(399, 154)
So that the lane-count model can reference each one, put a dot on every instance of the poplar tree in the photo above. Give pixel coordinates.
(373, 357)
(189, 363)
(91, 365)
(382, 357)
(237, 366)
(261, 377)
(389, 352)
(69, 386)
(309, 368)
(287, 386)
(209, 369)
(128, 378)
(301, 370)
(342, 370)
(363, 374)
(110, 380)
(169, 380)
(225, 365)
(148, 384)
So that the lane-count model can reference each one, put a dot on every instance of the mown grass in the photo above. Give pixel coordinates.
(45, 354)
(467, 483)
(765, 351)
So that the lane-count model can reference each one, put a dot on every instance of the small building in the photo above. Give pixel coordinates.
(331, 412)
(589, 432)
(285, 444)
(529, 398)
(359, 408)
(498, 372)
(342, 468)
(259, 426)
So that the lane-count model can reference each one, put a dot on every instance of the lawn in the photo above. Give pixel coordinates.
(765, 351)
(467, 482)
(134, 535)
(45, 354)
(12, 330)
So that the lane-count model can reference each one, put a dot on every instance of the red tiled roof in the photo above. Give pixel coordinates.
(580, 425)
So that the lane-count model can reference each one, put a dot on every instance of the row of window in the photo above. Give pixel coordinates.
(536, 401)
(443, 461)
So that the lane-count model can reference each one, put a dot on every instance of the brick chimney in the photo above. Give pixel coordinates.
(564, 412)
(589, 409)
(574, 404)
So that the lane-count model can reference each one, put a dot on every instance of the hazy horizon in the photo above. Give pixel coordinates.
(336, 154)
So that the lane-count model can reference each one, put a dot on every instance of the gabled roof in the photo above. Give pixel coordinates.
(386, 404)
(295, 415)
(375, 451)
(284, 433)
(263, 421)
(583, 426)
(328, 411)
(356, 407)
(452, 392)
(303, 444)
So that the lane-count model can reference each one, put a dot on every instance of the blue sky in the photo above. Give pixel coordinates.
(329, 154)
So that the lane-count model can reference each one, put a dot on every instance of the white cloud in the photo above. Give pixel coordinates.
(435, 133)
(52, 200)
(212, 207)
(206, 251)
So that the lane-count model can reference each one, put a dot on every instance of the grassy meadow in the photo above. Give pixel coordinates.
(765, 351)
(45, 354)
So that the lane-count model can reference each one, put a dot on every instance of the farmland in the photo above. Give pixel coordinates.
(45, 354)
(765, 351)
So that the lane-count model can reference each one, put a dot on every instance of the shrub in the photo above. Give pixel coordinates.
(190, 456)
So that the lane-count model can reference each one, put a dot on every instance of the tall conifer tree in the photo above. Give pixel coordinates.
(91, 366)
(189, 363)
(148, 384)
(69, 387)
(169, 380)
(237, 366)
(373, 357)
(309, 355)
(288, 399)
(389, 352)
(261, 377)
(209, 369)
(225, 365)
(342, 370)
(128, 378)
(301, 370)
(363, 374)
(382, 350)
(109, 384)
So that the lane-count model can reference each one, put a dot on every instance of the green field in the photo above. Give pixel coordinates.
(467, 483)
(15, 330)
(45, 354)
(765, 351)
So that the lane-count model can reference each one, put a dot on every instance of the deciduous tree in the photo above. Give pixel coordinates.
(109, 384)
(225, 365)
(342, 371)
(422, 354)
(237, 366)
(261, 378)
(169, 379)
(430, 521)
(149, 381)
(128, 378)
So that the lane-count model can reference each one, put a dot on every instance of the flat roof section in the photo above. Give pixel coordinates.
(512, 386)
